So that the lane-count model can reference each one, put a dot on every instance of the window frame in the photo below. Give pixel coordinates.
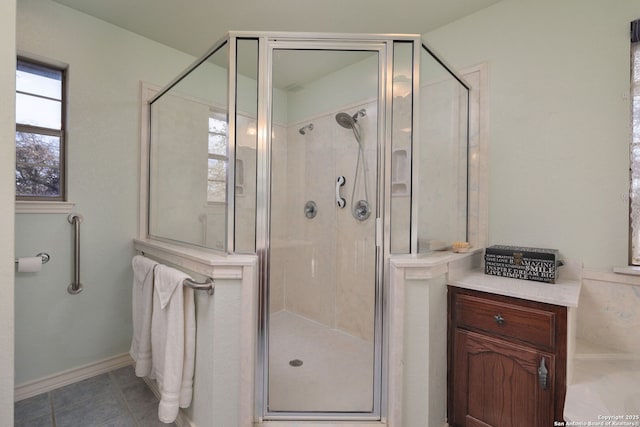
(221, 115)
(61, 133)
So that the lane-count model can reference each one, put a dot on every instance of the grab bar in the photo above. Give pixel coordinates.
(75, 287)
(208, 285)
(341, 201)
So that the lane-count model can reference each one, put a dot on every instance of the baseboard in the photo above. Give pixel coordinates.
(51, 382)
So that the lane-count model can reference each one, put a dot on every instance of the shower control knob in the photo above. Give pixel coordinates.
(310, 209)
(361, 210)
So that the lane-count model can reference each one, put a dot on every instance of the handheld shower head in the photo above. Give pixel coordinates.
(345, 120)
(351, 122)
(361, 209)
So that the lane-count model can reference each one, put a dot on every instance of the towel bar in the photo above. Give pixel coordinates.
(208, 285)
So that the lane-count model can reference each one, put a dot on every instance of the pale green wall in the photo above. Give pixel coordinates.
(7, 186)
(559, 127)
(56, 331)
(559, 121)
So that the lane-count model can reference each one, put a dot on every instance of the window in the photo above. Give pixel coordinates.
(218, 158)
(39, 132)
(635, 144)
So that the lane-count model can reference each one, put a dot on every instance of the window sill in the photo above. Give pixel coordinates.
(630, 270)
(27, 207)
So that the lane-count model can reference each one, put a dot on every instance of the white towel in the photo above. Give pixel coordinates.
(173, 330)
(142, 305)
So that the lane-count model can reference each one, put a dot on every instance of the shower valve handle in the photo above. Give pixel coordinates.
(341, 201)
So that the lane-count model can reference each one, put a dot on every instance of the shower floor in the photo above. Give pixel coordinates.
(336, 374)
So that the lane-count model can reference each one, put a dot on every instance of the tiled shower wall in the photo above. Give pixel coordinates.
(330, 259)
(313, 161)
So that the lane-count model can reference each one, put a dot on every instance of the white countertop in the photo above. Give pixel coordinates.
(565, 292)
(431, 258)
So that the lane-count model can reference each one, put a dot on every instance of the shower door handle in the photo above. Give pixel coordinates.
(341, 201)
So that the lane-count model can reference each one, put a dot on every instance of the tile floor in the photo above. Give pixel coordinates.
(115, 399)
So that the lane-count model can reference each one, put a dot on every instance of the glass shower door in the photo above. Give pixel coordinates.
(322, 328)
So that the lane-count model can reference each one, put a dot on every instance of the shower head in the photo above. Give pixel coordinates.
(345, 120)
(304, 129)
(351, 122)
(360, 113)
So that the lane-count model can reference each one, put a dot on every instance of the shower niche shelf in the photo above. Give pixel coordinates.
(239, 177)
(400, 172)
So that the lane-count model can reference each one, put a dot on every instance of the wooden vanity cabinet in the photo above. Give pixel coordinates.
(496, 349)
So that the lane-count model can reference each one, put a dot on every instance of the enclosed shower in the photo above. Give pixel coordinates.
(322, 155)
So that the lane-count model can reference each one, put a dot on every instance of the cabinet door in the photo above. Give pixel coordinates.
(496, 383)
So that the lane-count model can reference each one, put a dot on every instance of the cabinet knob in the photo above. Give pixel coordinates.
(499, 319)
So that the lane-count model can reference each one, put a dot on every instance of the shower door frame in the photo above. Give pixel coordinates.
(383, 45)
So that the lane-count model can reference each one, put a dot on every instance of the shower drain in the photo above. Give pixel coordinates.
(295, 363)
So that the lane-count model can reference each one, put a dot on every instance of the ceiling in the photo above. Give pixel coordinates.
(193, 26)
